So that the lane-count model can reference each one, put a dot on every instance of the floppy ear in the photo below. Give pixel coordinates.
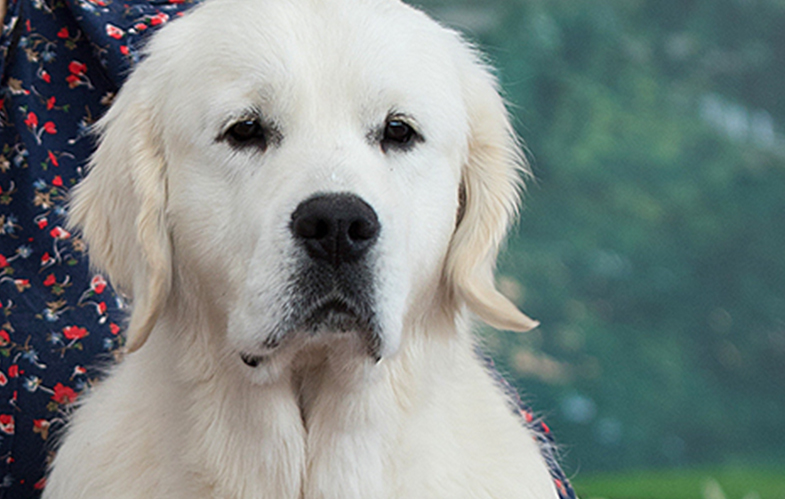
(491, 186)
(120, 208)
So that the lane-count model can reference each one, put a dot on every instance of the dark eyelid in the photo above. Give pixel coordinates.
(405, 118)
(234, 118)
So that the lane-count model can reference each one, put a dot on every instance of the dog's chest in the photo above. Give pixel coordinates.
(306, 436)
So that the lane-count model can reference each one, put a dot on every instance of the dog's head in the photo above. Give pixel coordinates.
(305, 168)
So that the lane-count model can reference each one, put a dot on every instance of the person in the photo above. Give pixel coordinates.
(62, 63)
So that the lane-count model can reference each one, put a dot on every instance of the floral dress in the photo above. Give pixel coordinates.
(61, 63)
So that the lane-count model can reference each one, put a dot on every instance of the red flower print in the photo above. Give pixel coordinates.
(22, 284)
(74, 332)
(140, 26)
(52, 157)
(58, 181)
(32, 120)
(159, 19)
(7, 424)
(77, 68)
(3, 379)
(40, 484)
(3, 262)
(50, 103)
(49, 127)
(5, 339)
(63, 33)
(41, 426)
(50, 280)
(13, 371)
(114, 31)
(46, 77)
(124, 50)
(72, 80)
(59, 233)
(98, 284)
(114, 328)
(102, 308)
(63, 394)
(46, 259)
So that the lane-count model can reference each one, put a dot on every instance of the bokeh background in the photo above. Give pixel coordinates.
(651, 245)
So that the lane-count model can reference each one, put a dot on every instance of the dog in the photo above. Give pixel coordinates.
(304, 200)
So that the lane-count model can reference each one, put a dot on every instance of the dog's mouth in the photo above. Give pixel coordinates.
(340, 314)
(335, 313)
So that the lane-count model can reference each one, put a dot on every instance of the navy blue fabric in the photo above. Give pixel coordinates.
(61, 63)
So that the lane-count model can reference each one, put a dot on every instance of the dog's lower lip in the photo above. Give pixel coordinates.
(334, 306)
(337, 316)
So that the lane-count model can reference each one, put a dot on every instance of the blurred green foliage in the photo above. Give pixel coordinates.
(706, 483)
(651, 246)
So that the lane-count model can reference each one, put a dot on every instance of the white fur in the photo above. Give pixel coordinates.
(197, 233)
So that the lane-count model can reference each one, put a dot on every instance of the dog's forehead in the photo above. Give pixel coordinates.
(312, 53)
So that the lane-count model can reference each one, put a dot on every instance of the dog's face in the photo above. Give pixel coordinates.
(310, 168)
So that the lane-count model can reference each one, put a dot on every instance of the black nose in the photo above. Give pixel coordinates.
(336, 228)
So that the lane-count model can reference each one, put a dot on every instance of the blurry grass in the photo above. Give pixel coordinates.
(709, 483)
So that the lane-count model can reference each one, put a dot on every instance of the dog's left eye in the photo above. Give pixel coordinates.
(249, 132)
(398, 134)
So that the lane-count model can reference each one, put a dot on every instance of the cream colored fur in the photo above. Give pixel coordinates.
(196, 232)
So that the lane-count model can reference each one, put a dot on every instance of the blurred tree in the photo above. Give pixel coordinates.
(651, 247)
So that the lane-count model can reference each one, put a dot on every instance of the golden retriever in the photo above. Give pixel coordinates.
(304, 199)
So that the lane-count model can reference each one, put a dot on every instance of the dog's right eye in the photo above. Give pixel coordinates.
(249, 132)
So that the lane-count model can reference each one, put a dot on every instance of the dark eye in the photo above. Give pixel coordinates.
(398, 135)
(247, 133)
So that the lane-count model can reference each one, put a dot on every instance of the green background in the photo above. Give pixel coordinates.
(651, 244)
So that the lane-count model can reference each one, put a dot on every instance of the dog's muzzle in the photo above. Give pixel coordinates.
(332, 290)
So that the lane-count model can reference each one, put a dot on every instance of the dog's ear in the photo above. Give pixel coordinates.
(120, 208)
(490, 194)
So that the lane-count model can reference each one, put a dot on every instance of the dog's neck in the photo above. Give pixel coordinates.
(329, 411)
